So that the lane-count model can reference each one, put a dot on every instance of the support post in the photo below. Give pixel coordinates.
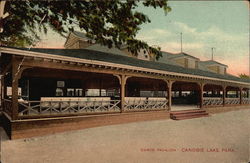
(17, 70)
(212, 93)
(237, 94)
(240, 96)
(100, 87)
(4, 87)
(224, 95)
(2, 90)
(180, 93)
(169, 90)
(122, 81)
(201, 94)
(14, 88)
(122, 92)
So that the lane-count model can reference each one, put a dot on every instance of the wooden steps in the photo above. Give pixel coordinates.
(188, 114)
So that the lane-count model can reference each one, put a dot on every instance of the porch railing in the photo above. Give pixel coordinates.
(7, 106)
(143, 103)
(208, 101)
(232, 101)
(67, 107)
(52, 107)
(245, 100)
(219, 101)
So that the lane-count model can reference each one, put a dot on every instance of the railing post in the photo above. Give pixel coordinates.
(240, 96)
(201, 94)
(224, 95)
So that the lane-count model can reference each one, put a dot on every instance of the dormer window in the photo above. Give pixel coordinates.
(196, 64)
(215, 67)
(185, 60)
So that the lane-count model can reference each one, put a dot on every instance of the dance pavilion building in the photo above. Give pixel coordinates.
(86, 85)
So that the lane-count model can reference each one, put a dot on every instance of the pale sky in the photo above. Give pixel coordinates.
(220, 24)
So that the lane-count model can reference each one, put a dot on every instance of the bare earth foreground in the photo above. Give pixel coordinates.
(220, 138)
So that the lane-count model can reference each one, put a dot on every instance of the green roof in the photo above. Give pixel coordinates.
(118, 59)
(166, 58)
(210, 62)
(182, 54)
(99, 47)
(81, 35)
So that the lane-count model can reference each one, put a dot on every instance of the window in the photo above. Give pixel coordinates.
(79, 92)
(60, 83)
(112, 92)
(191, 63)
(9, 91)
(59, 89)
(185, 62)
(59, 92)
(146, 93)
(153, 93)
(92, 92)
(196, 64)
(103, 92)
(70, 92)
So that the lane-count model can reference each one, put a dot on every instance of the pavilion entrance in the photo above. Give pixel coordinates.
(185, 96)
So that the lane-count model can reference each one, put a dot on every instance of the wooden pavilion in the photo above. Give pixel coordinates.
(41, 87)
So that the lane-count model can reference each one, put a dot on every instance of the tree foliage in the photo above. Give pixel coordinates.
(110, 23)
(244, 76)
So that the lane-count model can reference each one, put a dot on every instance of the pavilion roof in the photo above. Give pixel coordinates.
(131, 61)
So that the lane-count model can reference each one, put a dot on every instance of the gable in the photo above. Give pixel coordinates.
(76, 42)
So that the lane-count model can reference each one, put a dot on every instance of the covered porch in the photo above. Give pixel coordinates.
(36, 88)
(39, 89)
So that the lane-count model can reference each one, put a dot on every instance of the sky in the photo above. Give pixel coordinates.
(223, 25)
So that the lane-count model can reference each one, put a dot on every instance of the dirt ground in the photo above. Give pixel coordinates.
(220, 138)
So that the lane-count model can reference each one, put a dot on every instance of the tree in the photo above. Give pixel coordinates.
(244, 76)
(110, 23)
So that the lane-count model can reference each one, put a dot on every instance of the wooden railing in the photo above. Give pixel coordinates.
(209, 101)
(245, 100)
(52, 107)
(67, 107)
(7, 106)
(143, 103)
(232, 101)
